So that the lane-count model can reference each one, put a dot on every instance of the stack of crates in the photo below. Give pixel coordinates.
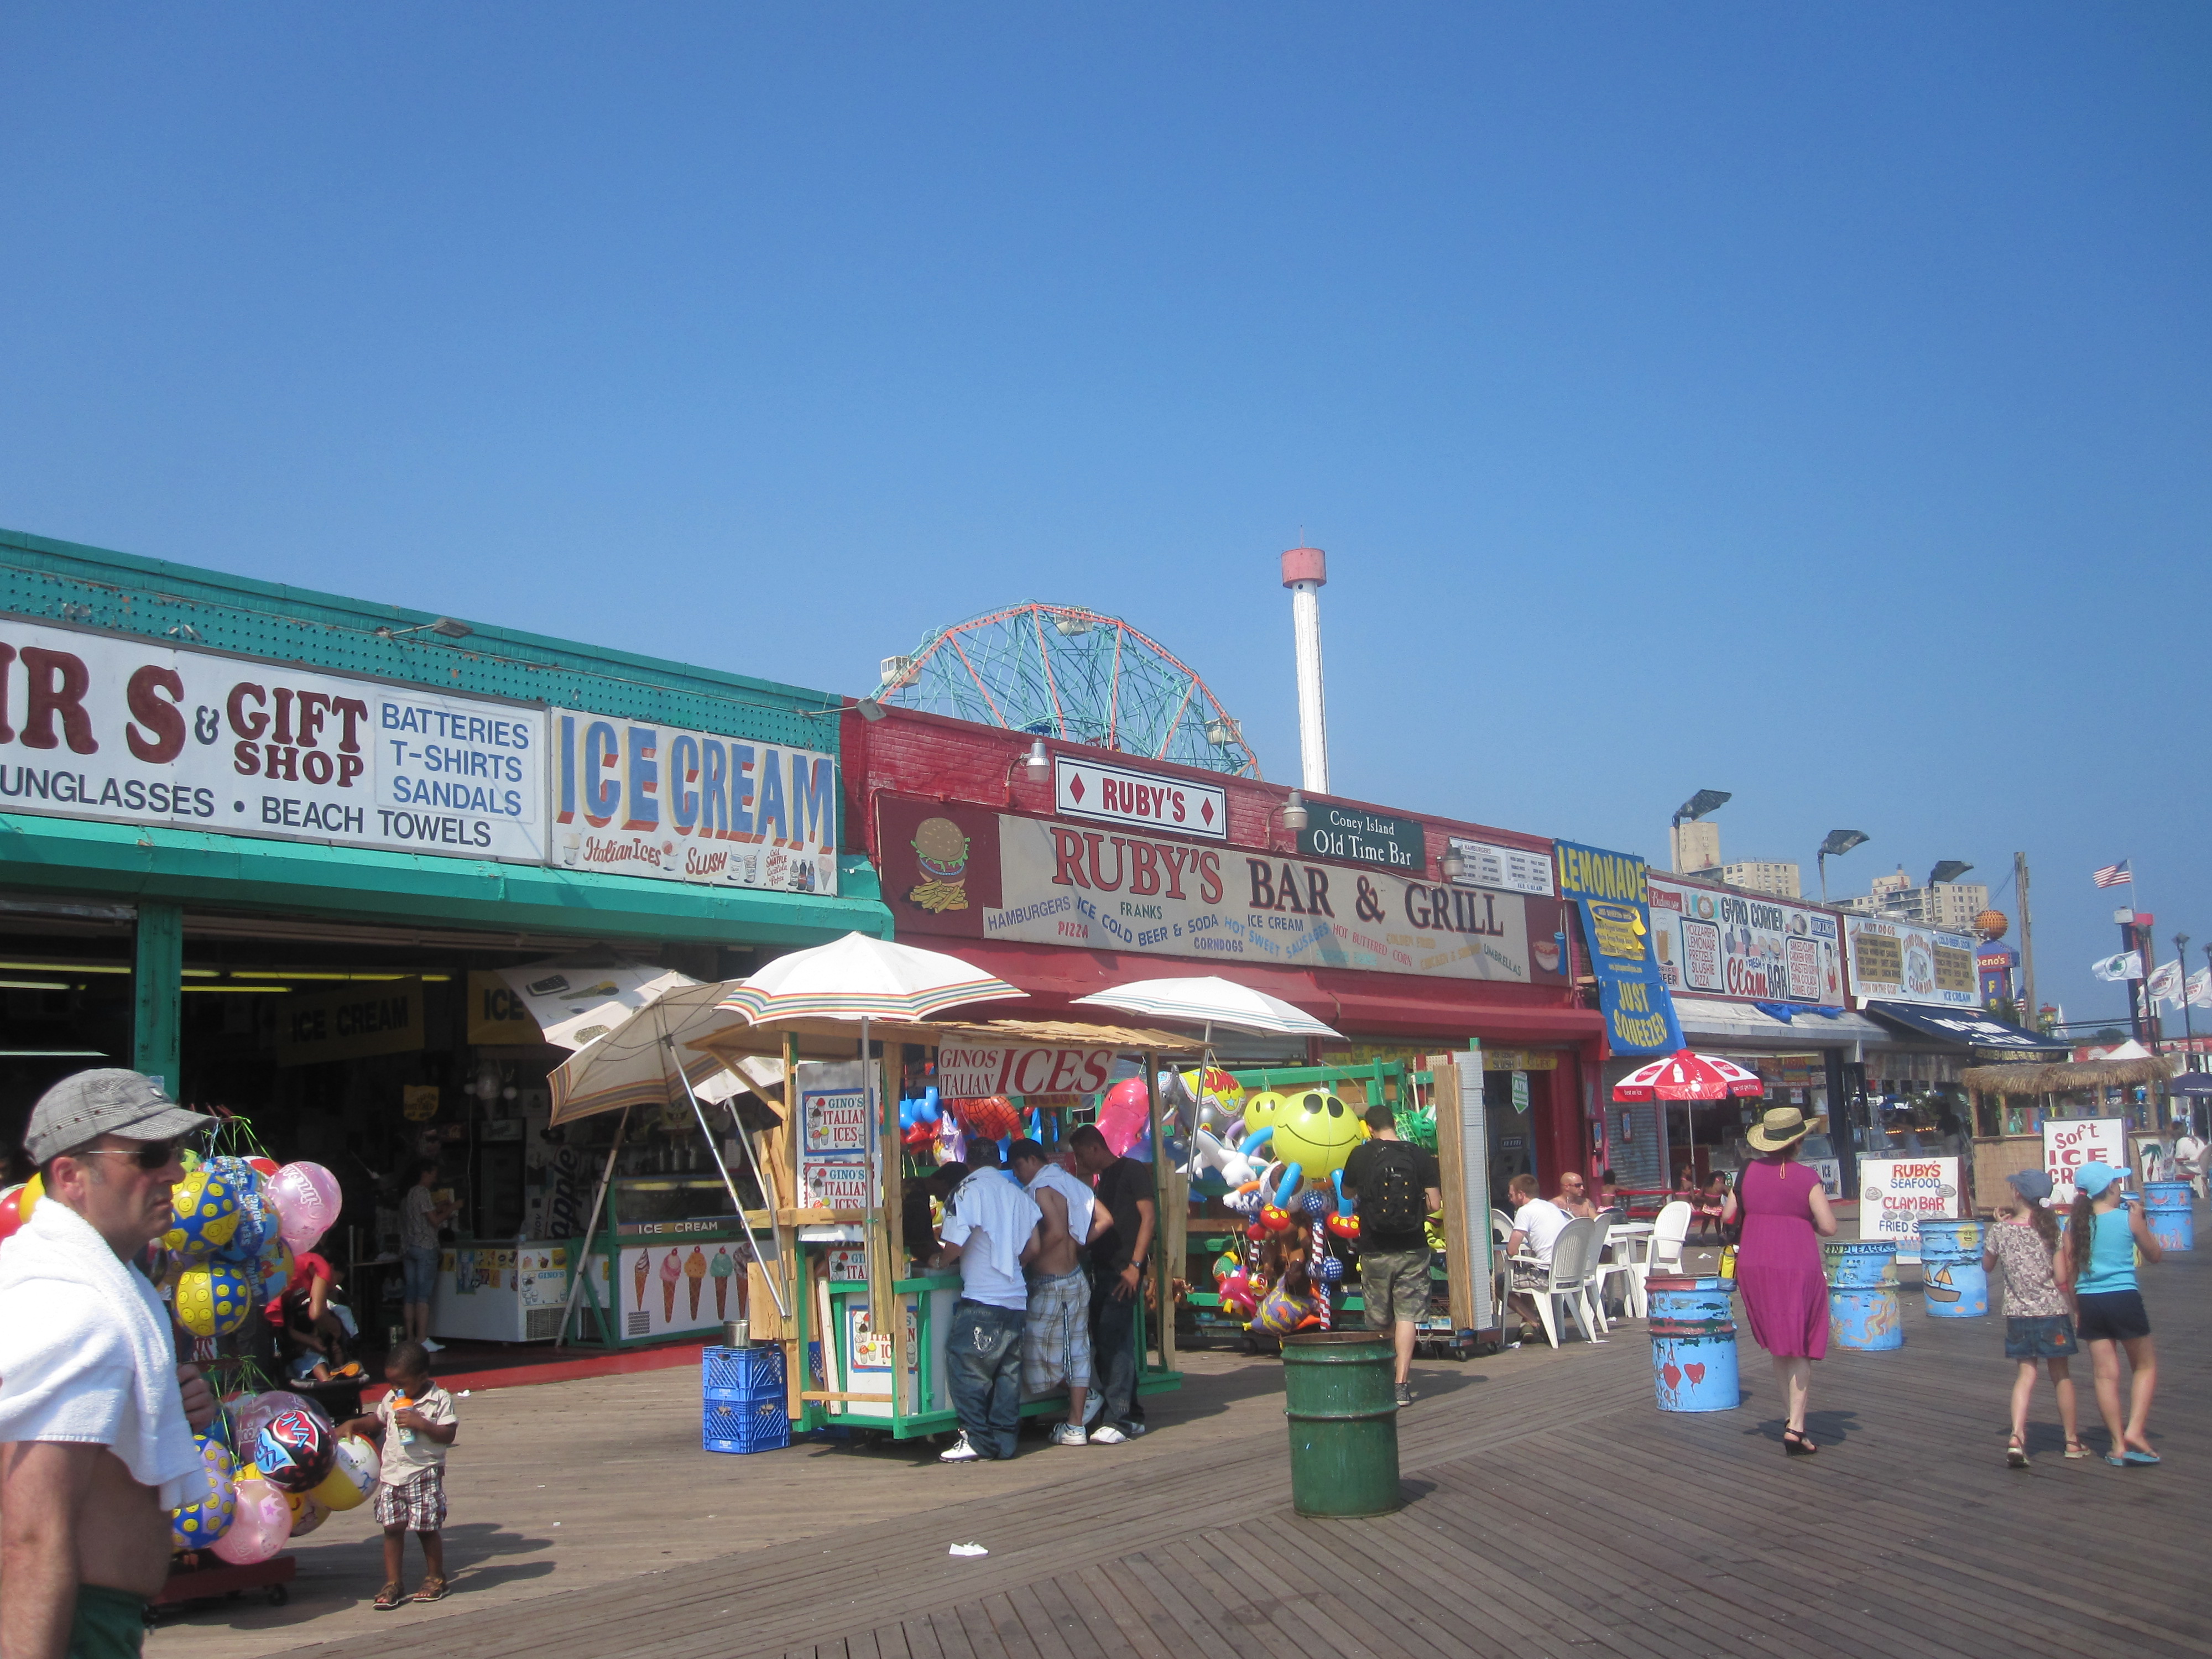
(744, 1399)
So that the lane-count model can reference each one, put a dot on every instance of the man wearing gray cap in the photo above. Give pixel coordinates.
(96, 1415)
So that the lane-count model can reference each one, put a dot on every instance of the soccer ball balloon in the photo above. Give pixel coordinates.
(295, 1449)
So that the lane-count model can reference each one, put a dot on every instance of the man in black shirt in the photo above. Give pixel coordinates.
(1397, 1185)
(1121, 1237)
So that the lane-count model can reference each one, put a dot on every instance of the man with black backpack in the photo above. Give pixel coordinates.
(1397, 1185)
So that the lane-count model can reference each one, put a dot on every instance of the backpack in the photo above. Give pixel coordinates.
(1393, 1202)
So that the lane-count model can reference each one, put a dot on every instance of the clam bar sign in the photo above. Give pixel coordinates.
(105, 726)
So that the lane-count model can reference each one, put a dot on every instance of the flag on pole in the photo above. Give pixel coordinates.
(2199, 988)
(2126, 965)
(2166, 985)
(2112, 875)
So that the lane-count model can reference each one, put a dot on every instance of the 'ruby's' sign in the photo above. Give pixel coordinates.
(1114, 794)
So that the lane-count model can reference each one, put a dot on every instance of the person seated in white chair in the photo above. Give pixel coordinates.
(1537, 1225)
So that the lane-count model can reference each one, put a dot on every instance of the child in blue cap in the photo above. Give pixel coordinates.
(2102, 1237)
(2038, 1291)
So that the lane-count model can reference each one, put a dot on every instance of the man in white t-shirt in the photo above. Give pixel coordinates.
(991, 1229)
(96, 1415)
(1537, 1225)
(2190, 1160)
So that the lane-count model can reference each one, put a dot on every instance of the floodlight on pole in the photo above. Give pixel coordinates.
(1704, 801)
(1948, 870)
(1839, 842)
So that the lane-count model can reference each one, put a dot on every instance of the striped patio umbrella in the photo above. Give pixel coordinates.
(860, 978)
(1205, 999)
(1686, 1076)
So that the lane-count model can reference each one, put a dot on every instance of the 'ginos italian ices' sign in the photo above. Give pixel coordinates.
(104, 726)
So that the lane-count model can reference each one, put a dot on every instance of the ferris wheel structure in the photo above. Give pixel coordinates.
(1065, 672)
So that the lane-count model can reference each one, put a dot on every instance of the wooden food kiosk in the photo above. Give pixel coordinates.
(864, 1334)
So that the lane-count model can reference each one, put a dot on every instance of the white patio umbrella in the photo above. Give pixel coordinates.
(1209, 1001)
(859, 978)
(642, 1062)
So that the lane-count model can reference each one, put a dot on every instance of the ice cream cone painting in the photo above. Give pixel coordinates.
(671, 1271)
(644, 1271)
(695, 1270)
(721, 1266)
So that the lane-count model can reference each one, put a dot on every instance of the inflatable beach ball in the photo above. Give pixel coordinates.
(213, 1300)
(307, 1513)
(256, 1223)
(353, 1475)
(205, 1206)
(295, 1450)
(196, 1526)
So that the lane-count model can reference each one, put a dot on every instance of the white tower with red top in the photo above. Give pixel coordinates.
(1304, 571)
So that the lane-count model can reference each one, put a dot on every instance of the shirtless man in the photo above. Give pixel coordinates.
(1056, 1342)
(96, 1416)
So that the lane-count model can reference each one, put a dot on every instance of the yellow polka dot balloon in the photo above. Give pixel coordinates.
(205, 1209)
(196, 1526)
(211, 1300)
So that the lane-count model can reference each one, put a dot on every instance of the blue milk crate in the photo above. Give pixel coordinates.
(754, 1373)
(745, 1425)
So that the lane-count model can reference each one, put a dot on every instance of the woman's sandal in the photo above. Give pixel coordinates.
(1795, 1443)
(434, 1590)
(2075, 1448)
(390, 1596)
(2016, 1454)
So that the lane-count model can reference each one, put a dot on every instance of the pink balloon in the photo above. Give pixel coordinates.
(305, 1198)
(261, 1526)
(250, 1414)
(1124, 1115)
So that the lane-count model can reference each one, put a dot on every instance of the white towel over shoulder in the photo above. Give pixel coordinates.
(1081, 1201)
(86, 1355)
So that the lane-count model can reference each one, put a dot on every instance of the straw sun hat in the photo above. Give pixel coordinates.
(1783, 1126)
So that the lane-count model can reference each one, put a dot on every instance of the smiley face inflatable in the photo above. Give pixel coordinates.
(1317, 1131)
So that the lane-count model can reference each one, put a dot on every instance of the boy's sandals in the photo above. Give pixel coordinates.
(2016, 1454)
(434, 1590)
(390, 1596)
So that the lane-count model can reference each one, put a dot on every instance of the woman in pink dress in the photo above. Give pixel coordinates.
(1778, 1266)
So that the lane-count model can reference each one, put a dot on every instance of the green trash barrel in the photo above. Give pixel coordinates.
(1340, 1395)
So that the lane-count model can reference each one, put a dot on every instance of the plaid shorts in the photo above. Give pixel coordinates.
(1531, 1275)
(416, 1505)
(1056, 1342)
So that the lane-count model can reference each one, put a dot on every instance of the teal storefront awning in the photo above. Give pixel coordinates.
(309, 879)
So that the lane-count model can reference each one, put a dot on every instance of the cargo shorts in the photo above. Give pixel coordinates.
(1394, 1286)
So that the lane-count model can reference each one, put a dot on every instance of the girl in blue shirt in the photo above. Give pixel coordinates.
(2102, 1236)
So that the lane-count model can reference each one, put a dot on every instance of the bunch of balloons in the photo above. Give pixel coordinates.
(276, 1470)
(237, 1225)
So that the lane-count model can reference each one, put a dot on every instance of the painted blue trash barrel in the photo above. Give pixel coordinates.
(1693, 1345)
(1952, 1280)
(1864, 1310)
(2166, 1207)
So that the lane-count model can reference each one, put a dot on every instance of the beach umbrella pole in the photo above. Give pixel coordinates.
(599, 1201)
(714, 1149)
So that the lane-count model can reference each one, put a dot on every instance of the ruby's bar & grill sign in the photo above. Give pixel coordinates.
(105, 726)
(979, 874)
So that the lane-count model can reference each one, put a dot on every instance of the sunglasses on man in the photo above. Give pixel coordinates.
(154, 1155)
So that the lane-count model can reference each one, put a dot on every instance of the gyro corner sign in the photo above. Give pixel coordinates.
(108, 727)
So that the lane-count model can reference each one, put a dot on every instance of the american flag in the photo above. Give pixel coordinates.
(2112, 875)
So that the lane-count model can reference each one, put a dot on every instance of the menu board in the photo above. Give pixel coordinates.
(836, 1154)
(1721, 942)
(1508, 869)
(1902, 962)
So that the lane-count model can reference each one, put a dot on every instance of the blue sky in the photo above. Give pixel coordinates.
(1806, 402)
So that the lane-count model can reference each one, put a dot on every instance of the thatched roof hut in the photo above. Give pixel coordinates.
(2058, 1076)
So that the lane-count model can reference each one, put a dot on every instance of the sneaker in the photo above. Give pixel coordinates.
(1405, 1395)
(1092, 1406)
(1069, 1434)
(1134, 1427)
(960, 1451)
(429, 1346)
(1107, 1435)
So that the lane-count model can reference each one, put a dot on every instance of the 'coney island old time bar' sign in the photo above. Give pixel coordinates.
(975, 874)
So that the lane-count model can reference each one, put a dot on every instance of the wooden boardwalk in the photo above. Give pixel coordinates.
(1551, 1510)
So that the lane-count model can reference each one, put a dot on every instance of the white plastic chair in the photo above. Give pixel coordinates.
(1604, 1270)
(1668, 1234)
(1569, 1281)
(1501, 1224)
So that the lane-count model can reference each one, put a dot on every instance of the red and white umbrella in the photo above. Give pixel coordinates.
(1687, 1076)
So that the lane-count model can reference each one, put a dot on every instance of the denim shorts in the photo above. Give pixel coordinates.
(2039, 1337)
(419, 1270)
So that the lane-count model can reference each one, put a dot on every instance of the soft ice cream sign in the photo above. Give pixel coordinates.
(105, 726)
(634, 798)
(2070, 1142)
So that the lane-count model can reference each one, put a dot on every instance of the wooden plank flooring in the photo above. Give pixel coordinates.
(1552, 1511)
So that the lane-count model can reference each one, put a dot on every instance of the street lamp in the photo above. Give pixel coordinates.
(2188, 1025)
(1839, 842)
(1704, 801)
(1948, 870)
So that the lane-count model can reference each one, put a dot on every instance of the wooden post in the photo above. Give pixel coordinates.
(895, 1234)
(1462, 1158)
(1163, 1298)
(885, 1253)
(790, 1268)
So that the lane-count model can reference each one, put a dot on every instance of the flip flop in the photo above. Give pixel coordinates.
(2141, 1458)
(2116, 1460)
(2016, 1456)
(2075, 1448)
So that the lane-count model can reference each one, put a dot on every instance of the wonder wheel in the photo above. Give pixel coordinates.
(1062, 670)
